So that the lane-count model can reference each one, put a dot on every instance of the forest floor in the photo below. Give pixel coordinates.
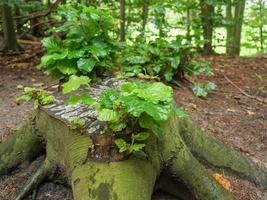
(226, 114)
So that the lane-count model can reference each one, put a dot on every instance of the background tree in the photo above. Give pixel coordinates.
(235, 23)
(207, 14)
(10, 39)
(122, 20)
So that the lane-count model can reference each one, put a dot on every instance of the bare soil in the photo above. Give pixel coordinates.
(226, 114)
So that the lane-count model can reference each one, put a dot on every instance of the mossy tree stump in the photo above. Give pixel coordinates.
(179, 152)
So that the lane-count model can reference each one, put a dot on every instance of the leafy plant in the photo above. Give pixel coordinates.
(162, 59)
(77, 123)
(134, 146)
(134, 106)
(158, 58)
(39, 94)
(85, 47)
(201, 90)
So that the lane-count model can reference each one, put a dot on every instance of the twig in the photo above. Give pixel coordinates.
(29, 56)
(244, 93)
(29, 42)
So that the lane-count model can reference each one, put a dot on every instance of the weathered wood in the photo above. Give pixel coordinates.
(134, 178)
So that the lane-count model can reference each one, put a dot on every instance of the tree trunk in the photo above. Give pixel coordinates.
(180, 152)
(188, 22)
(145, 15)
(229, 26)
(207, 13)
(237, 28)
(122, 20)
(10, 40)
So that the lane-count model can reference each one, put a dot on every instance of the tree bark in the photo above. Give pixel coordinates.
(145, 15)
(181, 151)
(122, 20)
(207, 13)
(10, 40)
(234, 49)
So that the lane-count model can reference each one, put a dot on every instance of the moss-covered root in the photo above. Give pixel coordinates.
(44, 171)
(182, 164)
(132, 179)
(23, 145)
(218, 155)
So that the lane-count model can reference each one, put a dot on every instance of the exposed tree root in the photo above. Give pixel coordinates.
(44, 171)
(178, 152)
(221, 157)
(23, 145)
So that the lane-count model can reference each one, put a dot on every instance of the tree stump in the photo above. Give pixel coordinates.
(180, 152)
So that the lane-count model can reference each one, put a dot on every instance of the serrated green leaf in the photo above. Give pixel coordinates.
(52, 44)
(211, 86)
(108, 115)
(136, 147)
(74, 83)
(199, 90)
(121, 144)
(117, 126)
(45, 99)
(108, 97)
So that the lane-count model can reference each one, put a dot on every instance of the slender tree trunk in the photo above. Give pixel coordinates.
(238, 20)
(19, 23)
(188, 26)
(261, 28)
(10, 40)
(122, 20)
(207, 12)
(145, 15)
(229, 27)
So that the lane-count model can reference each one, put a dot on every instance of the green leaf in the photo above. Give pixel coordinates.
(145, 121)
(117, 126)
(175, 61)
(121, 144)
(66, 67)
(199, 90)
(141, 136)
(74, 83)
(45, 98)
(136, 60)
(77, 123)
(86, 64)
(154, 92)
(24, 97)
(168, 75)
(136, 147)
(52, 44)
(211, 86)
(108, 97)
(108, 115)
(83, 98)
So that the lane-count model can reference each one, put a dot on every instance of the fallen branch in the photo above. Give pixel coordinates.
(244, 93)
(29, 42)
(29, 56)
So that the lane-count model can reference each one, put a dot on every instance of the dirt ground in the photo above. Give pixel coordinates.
(233, 118)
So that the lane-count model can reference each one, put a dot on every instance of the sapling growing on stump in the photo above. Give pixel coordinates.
(180, 150)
